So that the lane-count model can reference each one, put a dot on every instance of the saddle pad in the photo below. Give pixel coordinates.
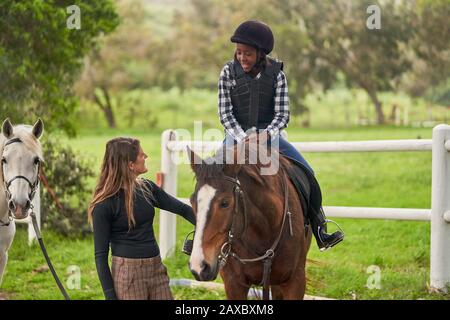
(307, 187)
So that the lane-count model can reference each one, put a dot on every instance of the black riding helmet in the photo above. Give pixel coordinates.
(256, 34)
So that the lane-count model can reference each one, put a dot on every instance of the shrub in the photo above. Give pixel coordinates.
(66, 172)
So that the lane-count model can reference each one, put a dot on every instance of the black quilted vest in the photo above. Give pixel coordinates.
(253, 99)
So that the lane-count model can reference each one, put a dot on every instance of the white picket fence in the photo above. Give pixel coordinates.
(439, 214)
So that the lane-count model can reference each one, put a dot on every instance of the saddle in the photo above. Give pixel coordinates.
(307, 187)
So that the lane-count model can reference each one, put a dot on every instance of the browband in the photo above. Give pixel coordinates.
(12, 141)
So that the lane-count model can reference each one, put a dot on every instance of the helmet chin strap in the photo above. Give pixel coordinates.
(257, 67)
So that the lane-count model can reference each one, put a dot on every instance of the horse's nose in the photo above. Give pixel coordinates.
(19, 211)
(11, 205)
(196, 275)
(204, 273)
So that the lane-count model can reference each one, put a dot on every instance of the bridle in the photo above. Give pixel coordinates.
(33, 186)
(266, 258)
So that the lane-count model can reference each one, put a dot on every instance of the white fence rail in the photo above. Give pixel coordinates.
(439, 215)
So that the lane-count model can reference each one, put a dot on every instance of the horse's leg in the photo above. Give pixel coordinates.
(235, 290)
(277, 292)
(3, 261)
(6, 238)
(235, 286)
(294, 287)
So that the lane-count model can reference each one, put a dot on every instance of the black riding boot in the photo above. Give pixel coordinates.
(319, 227)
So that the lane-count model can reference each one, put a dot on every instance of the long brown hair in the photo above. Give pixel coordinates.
(115, 174)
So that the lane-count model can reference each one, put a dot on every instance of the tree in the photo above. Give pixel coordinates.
(429, 51)
(304, 70)
(126, 60)
(200, 45)
(316, 40)
(40, 58)
(369, 59)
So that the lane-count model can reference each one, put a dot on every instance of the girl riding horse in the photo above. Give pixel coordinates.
(253, 96)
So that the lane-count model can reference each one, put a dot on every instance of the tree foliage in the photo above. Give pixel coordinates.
(40, 57)
(67, 173)
(429, 52)
(317, 40)
(322, 43)
(126, 60)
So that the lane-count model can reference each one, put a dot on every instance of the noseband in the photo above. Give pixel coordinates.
(7, 184)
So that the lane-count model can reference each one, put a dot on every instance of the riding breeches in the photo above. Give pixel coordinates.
(283, 146)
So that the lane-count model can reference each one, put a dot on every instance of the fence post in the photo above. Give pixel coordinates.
(440, 210)
(167, 221)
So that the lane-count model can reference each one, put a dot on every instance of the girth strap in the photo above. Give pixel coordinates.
(267, 268)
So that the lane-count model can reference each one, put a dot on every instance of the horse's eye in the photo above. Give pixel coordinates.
(224, 204)
(36, 161)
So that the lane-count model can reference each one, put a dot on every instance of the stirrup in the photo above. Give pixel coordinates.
(188, 244)
(339, 227)
(332, 244)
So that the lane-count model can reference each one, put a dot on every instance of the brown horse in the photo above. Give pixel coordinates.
(250, 227)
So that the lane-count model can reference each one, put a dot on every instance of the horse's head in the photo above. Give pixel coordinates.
(20, 159)
(214, 204)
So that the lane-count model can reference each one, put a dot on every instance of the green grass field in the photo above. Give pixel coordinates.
(400, 249)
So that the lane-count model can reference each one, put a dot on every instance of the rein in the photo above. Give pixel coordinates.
(266, 258)
(33, 187)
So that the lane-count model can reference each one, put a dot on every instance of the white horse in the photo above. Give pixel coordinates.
(21, 155)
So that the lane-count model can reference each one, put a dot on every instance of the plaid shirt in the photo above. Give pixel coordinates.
(232, 127)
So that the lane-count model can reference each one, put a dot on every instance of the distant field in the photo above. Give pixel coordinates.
(399, 249)
(337, 108)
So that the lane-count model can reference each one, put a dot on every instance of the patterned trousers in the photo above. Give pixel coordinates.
(140, 279)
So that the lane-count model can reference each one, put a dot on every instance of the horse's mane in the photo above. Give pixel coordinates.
(215, 166)
(24, 133)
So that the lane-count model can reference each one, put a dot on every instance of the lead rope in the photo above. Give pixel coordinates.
(44, 251)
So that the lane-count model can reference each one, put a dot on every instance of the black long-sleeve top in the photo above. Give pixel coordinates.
(110, 224)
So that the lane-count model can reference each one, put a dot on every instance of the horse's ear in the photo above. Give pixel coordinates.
(7, 128)
(38, 128)
(194, 159)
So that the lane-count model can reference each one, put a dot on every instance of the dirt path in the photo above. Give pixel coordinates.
(3, 296)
